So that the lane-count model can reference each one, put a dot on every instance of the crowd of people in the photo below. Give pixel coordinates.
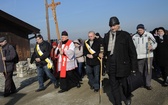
(70, 61)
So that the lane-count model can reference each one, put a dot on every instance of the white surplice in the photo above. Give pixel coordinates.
(70, 53)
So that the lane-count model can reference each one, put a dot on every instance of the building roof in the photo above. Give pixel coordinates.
(8, 22)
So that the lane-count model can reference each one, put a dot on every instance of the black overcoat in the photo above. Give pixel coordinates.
(125, 53)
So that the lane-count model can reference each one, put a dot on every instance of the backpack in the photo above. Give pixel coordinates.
(16, 59)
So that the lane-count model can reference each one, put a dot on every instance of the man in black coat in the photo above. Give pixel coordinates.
(41, 56)
(7, 56)
(121, 60)
(91, 50)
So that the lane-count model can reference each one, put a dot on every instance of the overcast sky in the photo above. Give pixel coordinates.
(78, 17)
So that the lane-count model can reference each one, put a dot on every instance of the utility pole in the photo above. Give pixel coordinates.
(47, 20)
(53, 6)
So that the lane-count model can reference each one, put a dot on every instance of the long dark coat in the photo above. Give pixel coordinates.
(161, 52)
(125, 53)
(10, 53)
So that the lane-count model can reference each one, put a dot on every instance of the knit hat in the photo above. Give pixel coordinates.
(2, 39)
(140, 26)
(64, 33)
(113, 21)
(54, 44)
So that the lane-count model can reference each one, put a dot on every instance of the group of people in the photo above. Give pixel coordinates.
(124, 54)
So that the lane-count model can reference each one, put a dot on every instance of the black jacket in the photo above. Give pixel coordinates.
(46, 49)
(96, 47)
(125, 53)
(161, 51)
(10, 53)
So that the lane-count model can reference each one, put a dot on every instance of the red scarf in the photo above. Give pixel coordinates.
(64, 61)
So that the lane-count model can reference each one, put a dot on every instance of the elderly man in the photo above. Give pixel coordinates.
(145, 44)
(67, 64)
(91, 51)
(7, 56)
(121, 60)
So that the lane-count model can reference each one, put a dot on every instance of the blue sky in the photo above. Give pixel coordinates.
(78, 17)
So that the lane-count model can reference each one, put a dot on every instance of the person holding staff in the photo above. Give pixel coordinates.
(7, 56)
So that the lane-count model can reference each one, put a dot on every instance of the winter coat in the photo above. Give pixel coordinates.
(161, 52)
(79, 52)
(45, 47)
(125, 53)
(96, 47)
(10, 53)
(141, 44)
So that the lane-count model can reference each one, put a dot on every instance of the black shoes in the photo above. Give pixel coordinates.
(96, 90)
(61, 91)
(7, 94)
(165, 84)
(38, 90)
(128, 102)
(91, 87)
(149, 87)
(56, 85)
(78, 85)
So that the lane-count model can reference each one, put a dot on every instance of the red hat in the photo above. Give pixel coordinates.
(54, 44)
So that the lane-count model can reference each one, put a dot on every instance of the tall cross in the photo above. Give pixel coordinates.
(53, 6)
(47, 20)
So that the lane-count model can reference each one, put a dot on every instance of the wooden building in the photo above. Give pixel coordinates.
(17, 33)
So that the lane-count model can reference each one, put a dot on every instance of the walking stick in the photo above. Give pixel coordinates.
(100, 92)
(101, 68)
(148, 56)
(3, 61)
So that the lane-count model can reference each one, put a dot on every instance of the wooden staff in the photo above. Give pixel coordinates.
(100, 92)
(148, 56)
(101, 68)
(3, 61)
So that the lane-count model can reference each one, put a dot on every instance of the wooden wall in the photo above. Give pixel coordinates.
(22, 44)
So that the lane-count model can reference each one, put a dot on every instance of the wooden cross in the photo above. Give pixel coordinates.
(47, 20)
(53, 6)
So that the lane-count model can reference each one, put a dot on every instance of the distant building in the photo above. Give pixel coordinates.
(17, 33)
